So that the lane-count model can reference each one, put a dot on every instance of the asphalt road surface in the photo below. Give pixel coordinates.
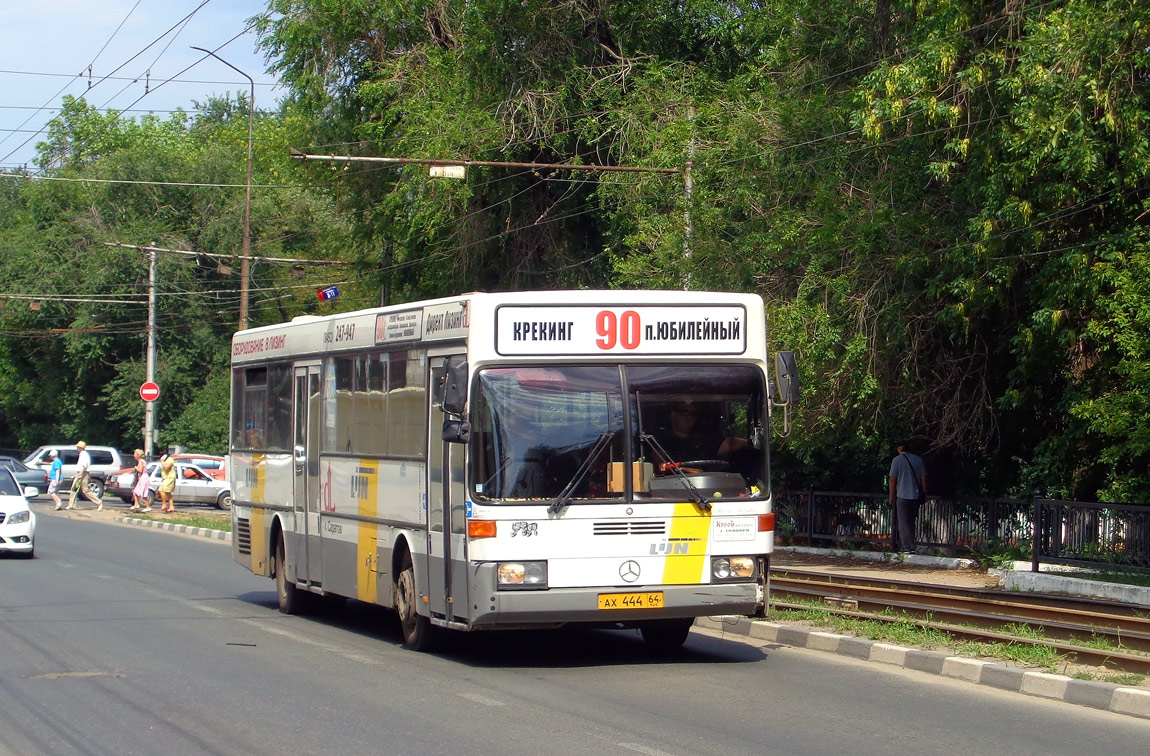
(120, 640)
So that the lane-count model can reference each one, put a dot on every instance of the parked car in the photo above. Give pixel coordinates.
(17, 520)
(209, 463)
(193, 486)
(34, 477)
(105, 461)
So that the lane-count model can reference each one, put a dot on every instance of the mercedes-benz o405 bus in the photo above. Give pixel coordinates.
(513, 460)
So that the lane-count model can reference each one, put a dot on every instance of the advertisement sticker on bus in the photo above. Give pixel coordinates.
(443, 322)
(398, 326)
(527, 330)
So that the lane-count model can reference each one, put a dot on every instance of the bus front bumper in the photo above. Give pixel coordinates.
(606, 605)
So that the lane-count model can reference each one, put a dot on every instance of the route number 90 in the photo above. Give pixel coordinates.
(621, 329)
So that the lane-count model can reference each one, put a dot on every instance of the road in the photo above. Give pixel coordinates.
(119, 640)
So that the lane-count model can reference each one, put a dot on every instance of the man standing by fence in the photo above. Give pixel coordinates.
(907, 481)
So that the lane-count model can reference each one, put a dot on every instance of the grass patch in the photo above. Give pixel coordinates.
(1126, 679)
(1110, 576)
(191, 519)
(903, 631)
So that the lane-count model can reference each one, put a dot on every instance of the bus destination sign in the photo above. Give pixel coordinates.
(523, 330)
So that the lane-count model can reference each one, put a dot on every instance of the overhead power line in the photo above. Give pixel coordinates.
(216, 256)
(297, 155)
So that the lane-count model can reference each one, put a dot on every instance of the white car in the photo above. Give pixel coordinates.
(193, 486)
(17, 520)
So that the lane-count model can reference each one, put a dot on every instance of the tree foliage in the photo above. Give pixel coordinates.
(68, 248)
(940, 201)
(943, 204)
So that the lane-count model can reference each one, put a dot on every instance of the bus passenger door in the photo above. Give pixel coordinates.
(305, 461)
(446, 520)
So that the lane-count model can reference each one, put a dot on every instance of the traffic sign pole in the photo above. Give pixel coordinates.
(150, 407)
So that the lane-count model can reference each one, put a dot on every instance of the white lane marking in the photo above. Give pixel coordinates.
(481, 699)
(269, 628)
(644, 749)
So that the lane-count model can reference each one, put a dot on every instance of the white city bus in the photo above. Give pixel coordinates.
(463, 460)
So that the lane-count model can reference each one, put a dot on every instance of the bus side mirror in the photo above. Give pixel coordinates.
(454, 387)
(786, 377)
(456, 431)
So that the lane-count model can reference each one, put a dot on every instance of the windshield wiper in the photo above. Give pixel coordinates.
(564, 497)
(677, 467)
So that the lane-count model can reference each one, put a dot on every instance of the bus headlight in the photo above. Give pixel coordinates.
(733, 568)
(526, 575)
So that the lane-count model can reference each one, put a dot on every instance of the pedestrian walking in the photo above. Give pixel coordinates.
(907, 486)
(142, 490)
(55, 477)
(80, 482)
(167, 484)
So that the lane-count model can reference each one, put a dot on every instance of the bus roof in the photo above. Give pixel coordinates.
(591, 323)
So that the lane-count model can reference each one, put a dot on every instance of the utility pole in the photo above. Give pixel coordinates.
(688, 194)
(150, 407)
(245, 255)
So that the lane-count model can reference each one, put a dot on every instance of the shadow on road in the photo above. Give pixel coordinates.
(548, 649)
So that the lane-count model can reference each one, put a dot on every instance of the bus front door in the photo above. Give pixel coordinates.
(308, 566)
(446, 565)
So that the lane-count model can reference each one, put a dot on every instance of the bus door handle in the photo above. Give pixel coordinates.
(300, 458)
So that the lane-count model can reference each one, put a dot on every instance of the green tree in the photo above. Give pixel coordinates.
(74, 365)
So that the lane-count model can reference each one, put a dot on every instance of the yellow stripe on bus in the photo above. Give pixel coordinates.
(367, 536)
(686, 558)
(261, 553)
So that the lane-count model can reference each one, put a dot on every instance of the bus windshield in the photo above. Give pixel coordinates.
(569, 433)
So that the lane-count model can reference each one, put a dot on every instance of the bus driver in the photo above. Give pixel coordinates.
(684, 443)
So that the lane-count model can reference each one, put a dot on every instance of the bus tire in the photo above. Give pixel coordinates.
(287, 595)
(416, 628)
(666, 635)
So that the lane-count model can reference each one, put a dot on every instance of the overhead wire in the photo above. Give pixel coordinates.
(53, 98)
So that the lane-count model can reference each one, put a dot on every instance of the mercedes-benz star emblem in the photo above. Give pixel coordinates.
(629, 571)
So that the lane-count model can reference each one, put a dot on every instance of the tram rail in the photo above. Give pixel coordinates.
(1088, 631)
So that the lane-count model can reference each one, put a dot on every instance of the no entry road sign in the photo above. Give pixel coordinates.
(149, 392)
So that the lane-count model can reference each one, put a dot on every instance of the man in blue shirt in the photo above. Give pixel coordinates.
(55, 476)
(907, 479)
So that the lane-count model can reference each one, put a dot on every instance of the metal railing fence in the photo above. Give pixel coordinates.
(1115, 536)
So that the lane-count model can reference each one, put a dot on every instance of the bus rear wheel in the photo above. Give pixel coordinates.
(416, 628)
(287, 595)
(666, 635)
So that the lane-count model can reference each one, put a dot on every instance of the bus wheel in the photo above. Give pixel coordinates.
(286, 593)
(416, 627)
(666, 635)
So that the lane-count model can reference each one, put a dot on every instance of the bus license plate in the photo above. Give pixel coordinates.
(631, 600)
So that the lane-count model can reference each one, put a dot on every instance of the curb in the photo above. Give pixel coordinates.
(886, 557)
(217, 535)
(1106, 696)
